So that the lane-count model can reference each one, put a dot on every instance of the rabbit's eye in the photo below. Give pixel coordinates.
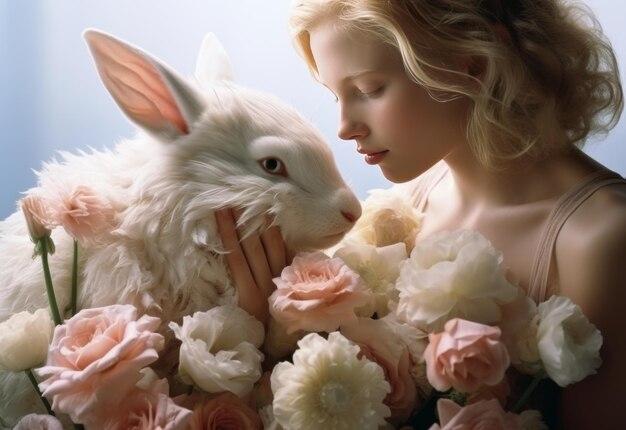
(273, 166)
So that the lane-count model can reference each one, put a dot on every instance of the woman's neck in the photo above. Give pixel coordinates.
(475, 186)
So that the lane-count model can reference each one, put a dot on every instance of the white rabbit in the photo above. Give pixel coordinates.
(202, 145)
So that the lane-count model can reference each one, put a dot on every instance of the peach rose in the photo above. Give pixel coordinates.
(464, 356)
(82, 213)
(380, 344)
(149, 409)
(317, 293)
(483, 415)
(95, 359)
(223, 411)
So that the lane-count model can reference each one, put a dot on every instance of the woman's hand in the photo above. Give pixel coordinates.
(253, 262)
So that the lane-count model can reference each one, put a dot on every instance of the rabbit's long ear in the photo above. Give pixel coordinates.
(147, 91)
(213, 63)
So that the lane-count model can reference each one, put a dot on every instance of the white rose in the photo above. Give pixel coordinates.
(24, 340)
(379, 268)
(219, 350)
(453, 274)
(569, 345)
(388, 217)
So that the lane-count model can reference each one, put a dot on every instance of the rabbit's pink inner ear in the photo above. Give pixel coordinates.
(136, 85)
(142, 94)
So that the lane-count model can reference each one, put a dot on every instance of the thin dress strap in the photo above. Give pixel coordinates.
(563, 209)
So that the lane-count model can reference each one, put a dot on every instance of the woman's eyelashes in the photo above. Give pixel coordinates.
(369, 93)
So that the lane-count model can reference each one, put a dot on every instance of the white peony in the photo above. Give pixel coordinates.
(453, 274)
(24, 340)
(219, 350)
(379, 268)
(569, 345)
(388, 218)
(329, 387)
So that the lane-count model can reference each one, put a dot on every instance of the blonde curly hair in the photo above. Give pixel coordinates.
(541, 77)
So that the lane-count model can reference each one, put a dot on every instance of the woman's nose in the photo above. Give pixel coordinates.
(350, 128)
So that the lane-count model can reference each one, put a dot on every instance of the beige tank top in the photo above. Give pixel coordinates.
(566, 205)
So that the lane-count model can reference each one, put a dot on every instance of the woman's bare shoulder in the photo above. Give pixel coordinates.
(591, 249)
(591, 264)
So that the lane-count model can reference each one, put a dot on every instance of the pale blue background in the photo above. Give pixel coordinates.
(51, 97)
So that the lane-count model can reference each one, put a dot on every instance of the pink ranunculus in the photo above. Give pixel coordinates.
(38, 422)
(95, 359)
(82, 213)
(222, 411)
(464, 356)
(379, 343)
(37, 213)
(317, 293)
(150, 409)
(483, 415)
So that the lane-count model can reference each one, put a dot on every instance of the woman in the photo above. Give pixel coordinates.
(479, 108)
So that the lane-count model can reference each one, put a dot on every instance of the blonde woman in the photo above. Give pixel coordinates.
(479, 108)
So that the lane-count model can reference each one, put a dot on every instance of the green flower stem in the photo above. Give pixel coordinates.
(75, 278)
(529, 390)
(46, 272)
(31, 377)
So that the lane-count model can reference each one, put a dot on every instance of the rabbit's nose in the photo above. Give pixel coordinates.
(349, 216)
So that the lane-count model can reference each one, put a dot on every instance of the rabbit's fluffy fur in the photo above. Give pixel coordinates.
(164, 254)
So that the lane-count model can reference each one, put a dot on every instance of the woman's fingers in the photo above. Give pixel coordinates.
(250, 298)
(275, 250)
(258, 262)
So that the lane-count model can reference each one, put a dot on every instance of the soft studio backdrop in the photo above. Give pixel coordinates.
(51, 97)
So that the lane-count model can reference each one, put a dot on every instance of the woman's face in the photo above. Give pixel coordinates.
(394, 121)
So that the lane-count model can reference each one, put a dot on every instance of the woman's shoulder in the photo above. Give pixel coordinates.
(591, 247)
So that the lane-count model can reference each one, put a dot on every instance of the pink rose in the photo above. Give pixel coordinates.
(317, 293)
(38, 422)
(484, 415)
(82, 213)
(223, 411)
(379, 343)
(95, 359)
(464, 356)
(149, 409)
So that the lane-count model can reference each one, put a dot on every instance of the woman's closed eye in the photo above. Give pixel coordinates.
(369, 93)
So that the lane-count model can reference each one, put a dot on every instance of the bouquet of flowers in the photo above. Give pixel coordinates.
(373, 334)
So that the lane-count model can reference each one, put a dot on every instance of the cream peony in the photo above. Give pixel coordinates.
(317, 293)
(95, 359)
(24, 340)
(219, 350)
(453, 274)
(329, 387)
(387, 218)
(379, 268)
(569, 345)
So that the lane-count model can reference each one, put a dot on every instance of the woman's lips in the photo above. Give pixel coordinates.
(375, 157)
